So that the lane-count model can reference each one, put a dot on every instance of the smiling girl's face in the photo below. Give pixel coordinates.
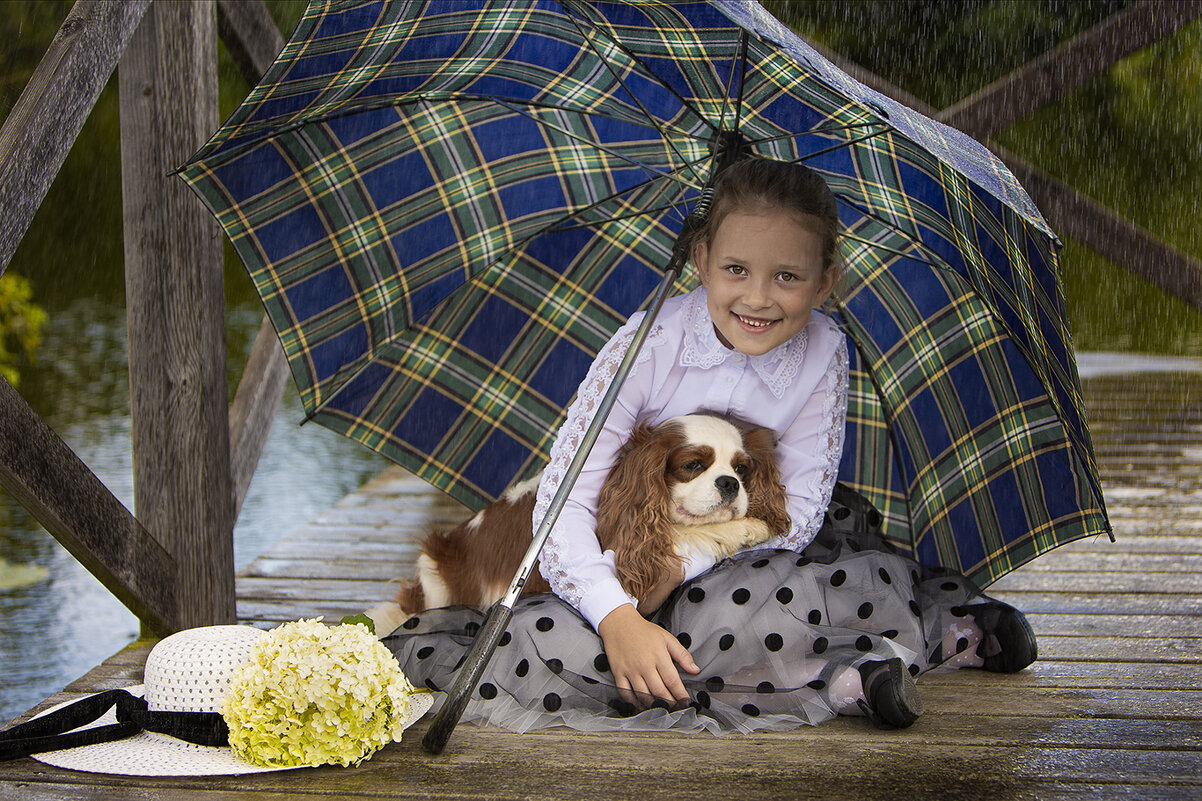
(764, 274)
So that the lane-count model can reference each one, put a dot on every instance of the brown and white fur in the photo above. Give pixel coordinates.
(699, 482)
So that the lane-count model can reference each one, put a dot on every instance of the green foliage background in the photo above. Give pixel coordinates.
(1129, 138)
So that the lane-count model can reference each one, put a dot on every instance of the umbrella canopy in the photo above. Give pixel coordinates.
(448, 207)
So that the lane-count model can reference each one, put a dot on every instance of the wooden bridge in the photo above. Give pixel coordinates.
(1110, 710)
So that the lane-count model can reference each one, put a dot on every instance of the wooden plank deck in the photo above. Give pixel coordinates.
(1111, 710)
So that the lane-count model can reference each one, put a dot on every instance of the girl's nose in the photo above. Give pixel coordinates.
(758, 294)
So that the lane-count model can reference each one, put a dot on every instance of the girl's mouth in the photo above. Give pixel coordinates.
(753, 324)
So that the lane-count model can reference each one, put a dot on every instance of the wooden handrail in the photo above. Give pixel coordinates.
(53, 106)
(1068, 66)
(254, 407)
(1101, 230)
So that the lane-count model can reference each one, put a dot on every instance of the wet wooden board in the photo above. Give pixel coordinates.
(1111, 710)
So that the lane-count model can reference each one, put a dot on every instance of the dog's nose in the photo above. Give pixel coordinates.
(728, 487)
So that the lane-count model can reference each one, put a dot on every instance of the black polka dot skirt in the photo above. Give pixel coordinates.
(773, 631)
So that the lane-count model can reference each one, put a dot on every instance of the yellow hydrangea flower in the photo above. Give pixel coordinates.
(314, 694)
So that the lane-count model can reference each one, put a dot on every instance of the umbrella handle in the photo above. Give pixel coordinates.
(469, 676)
(498, 617)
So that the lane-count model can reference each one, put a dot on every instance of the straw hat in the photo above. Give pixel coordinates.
(190, 671)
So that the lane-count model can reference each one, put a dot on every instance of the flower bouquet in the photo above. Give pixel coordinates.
(313, 694)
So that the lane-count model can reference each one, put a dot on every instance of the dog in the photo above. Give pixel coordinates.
(700, 482)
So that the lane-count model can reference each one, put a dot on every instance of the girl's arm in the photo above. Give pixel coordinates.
(643, 658)
(810, 449)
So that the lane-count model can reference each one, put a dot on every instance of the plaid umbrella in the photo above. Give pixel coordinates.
(449, 206)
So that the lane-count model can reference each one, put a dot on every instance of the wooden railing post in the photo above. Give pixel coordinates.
(175, 306)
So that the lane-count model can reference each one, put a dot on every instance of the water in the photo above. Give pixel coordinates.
(57, 628)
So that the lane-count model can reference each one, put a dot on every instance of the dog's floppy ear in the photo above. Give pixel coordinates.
(634, 508)
(766, 493)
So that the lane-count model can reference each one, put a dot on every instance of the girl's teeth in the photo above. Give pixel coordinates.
(753, 323)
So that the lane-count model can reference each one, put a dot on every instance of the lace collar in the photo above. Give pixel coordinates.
(777, 368)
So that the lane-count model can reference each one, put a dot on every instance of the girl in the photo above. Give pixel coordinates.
(828, 620)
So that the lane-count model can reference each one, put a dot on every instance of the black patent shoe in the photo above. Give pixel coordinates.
(1008, 643)
(892, 697)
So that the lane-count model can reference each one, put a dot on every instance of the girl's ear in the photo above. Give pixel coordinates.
(826, 285)
(700, 252)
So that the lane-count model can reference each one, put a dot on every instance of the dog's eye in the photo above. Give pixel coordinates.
(741, 470)
(696, 465)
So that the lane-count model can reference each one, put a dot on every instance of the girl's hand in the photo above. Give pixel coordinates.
(643, 658)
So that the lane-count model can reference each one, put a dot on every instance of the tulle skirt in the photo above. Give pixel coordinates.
(778, 636)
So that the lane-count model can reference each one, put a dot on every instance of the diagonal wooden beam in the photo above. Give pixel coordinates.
(253, 409)
(250, 35)
(253, 39)
(1068, 66)
(1071, 212)
(42, 126)
(1098, 228)
(48, 479)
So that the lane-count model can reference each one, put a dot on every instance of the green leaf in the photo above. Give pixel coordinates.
(361, 619)
(12, 576)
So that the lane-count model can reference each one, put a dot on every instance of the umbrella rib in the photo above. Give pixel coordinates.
(848, 143)
(632, 215)
(654, 122)
(602, 201)
(886, 128)
(655, 172)
(430, 97)
(743, 40)
(730, 82)
(886, 248)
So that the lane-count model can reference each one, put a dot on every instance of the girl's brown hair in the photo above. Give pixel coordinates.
(757, 183)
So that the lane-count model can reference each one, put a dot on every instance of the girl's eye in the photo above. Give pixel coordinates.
(736, 269)
(786, 278)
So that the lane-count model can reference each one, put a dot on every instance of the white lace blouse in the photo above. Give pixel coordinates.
(798, 389)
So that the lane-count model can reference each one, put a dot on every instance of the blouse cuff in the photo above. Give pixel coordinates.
(696, 563)
(602, 598)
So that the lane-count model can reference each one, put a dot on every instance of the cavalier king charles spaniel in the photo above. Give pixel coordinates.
(700, 482)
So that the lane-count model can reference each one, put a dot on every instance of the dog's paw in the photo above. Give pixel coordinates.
(755, 531)
(387, 616)
(720, 540)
